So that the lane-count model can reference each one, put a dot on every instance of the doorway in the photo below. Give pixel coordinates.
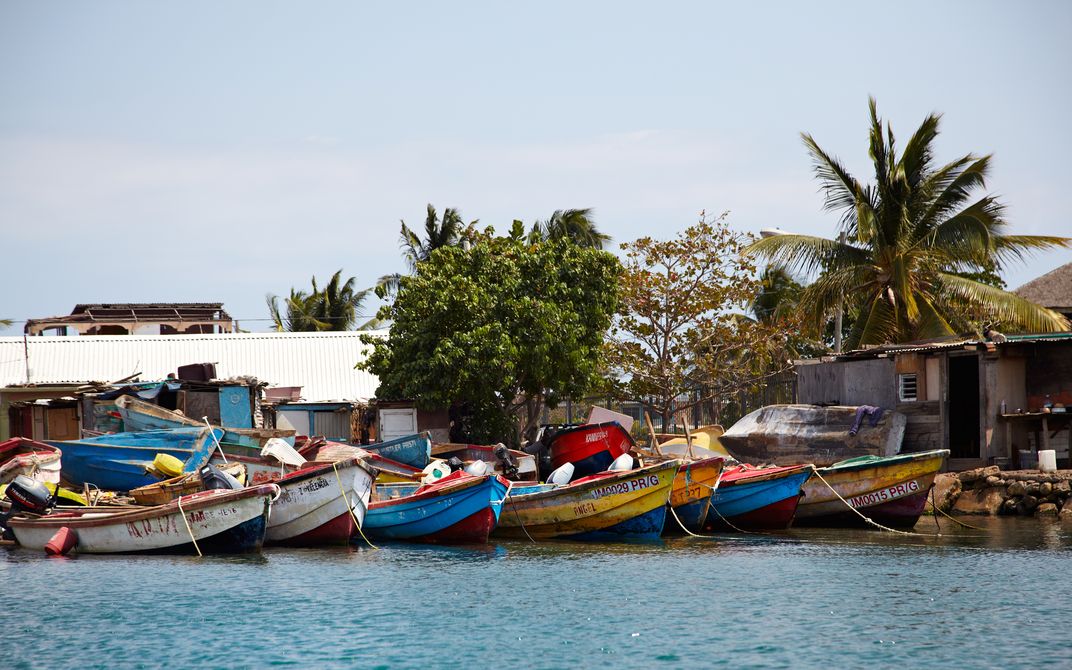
(963, 415)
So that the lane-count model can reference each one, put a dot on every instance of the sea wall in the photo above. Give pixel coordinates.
(991, 491)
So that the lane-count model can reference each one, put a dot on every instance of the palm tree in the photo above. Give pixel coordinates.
(574, 224)
(451, 230)
(334, 308)
(778, 295)
(911, 237)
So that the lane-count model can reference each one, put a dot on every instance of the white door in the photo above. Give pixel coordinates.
(397, 423)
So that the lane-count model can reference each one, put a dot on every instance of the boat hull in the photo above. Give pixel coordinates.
(221, 522)
(20, 456)
(138, 415)
(591, 447)
(758, 499)
(610, 506)
(118, 462)
(461, 511)
(690, 497)
(321, 504)
(891, 491)
(412, 450)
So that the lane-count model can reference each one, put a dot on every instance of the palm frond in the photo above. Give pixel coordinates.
(1020, 247)
(840, 189)
(878, 324)
(1006, 307)
(916, 159)
(805, 254)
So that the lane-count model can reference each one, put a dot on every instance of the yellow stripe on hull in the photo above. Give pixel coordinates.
(589, 506)
(883, 482)
(695, 481)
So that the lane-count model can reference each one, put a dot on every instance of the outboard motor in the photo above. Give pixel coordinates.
(506, 463)
(214, 478)
(455, 463)
(26, 494)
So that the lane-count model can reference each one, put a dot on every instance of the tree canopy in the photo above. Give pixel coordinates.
(919, 240)
(503, 326)
(335, 307)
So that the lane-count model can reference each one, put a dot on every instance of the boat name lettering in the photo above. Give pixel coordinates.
(315, 485)
(626, 486)
(595, 437)
(584, 509)
(890, 493)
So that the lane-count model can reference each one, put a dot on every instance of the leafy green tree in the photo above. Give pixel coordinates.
(914, 239)
(503, 326)
(577, 225)
(681, 332)
(335, 307)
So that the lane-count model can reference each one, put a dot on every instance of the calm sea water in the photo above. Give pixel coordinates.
(998, 598)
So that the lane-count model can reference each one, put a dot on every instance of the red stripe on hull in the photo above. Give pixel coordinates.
(775, 516)
(473, 529)
(901, 513)
(577, 444)
(337, 531)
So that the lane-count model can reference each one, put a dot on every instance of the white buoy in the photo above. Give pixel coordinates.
(561, 475)
(478, 468)
(623, 463)
(1047, 460)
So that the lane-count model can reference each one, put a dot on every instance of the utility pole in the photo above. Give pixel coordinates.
(840, 309)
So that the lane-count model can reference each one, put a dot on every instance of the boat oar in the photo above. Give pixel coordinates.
(213, 434)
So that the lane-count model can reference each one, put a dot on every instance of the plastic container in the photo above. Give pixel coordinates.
(167, 465)
(1047, 460)
(1028, 459)
(478, 468)
(561, 475)
(435, 471)
(623, 463)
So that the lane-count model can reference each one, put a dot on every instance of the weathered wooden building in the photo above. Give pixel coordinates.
(987, 402)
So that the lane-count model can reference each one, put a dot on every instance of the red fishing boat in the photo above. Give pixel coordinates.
(591, 447)
(20, 456)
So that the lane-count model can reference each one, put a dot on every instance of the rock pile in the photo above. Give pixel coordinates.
(991, 491)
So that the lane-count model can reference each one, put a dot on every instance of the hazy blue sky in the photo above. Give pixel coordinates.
(219, 151)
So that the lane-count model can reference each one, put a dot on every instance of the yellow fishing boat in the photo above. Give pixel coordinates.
(690, 496)
(604, 506)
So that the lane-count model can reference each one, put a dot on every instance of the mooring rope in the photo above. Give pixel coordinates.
(188, 529)
(860, 514)
(346, 499)
(951, 518)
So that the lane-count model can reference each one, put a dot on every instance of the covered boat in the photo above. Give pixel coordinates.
(606, 506)
(412, 450)
(123, 461)
(591, 447)
(890, 491)
(219, 521)
(757, 498)
(457, 509)
(20, 456)
(793, 434)
(321, 503)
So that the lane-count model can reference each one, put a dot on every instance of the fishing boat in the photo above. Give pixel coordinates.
(163, 492)
(705, 438)
(123, 461)
(457, 509)
(20, 456)
(792, 434)
(890, 491)
(390, 471)
(138, 415)
(757, 498)
(591, 447)
(606, 506)
(412, 450)
(210, 522)
(321, 503)
(690, 496)
(468, 453)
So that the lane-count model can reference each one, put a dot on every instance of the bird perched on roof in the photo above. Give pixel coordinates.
(994, 336)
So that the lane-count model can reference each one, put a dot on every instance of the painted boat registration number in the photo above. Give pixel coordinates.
(890, 493)
(626, 486)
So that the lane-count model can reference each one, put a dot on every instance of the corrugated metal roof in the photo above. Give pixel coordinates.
(949, 343)
(321, 363)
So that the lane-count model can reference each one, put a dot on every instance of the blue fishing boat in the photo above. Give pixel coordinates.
(120, 461)
(138, 415)
(457, 509)
(415, 450)
(757, 498)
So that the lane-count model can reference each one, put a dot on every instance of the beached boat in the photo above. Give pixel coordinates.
(890, 491)
(457, 509)
(705, 438)
(468, 453)
(220, 521)
(792, 434)
(690, 497)
(138, 415)
(591, 447)
(122, 461)
(757, 498)
(606, 506)
(321, 503)
(413, 450)
(390, 471)
(20, 456)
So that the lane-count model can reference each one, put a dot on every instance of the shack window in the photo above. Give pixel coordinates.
(907, 387)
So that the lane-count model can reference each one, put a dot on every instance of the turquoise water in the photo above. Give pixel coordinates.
(802, 599)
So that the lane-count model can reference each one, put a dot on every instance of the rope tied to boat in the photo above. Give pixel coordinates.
(188, 529)
(349, 508)
(861, 514)
(935, 507)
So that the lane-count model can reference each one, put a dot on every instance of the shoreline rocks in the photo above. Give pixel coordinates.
(990, 491)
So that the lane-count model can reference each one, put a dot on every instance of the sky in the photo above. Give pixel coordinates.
(221, 151)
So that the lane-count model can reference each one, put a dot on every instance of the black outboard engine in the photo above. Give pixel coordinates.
(506, 463)
(214, 478)
(455, 463)
(26, 494)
